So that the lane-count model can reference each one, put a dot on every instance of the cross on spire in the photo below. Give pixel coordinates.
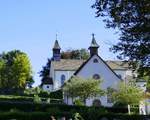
(56, 36)
(94, 43)
(93, 35)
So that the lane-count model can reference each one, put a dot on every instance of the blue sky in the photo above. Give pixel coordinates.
(31, 26)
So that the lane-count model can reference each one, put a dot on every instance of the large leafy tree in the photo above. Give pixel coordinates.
(83, 88)
(75, 54)
(132, 19)
(127, 93)
(15, 70)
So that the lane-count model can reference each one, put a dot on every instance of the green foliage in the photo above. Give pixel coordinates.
(77, 116)
(83, 88)
(132, 18)
(37, 99)
(147, 79)
(127, 94)
(78, 102)
(15, 70)
(38, 91)
(53, 110)
(14, 110)
(33, 91)
(45, 70)
(59, 110)
(44, 93)
(57, 94)
(13, 98)
(32, 115)
(47, 116)
(75, 54)
(29, 99)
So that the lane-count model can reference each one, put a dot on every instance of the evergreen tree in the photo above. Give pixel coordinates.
(44, 73)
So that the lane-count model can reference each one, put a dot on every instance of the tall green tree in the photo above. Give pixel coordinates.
(15, 70)
(44, 73)
(132, 19)
(83, 88)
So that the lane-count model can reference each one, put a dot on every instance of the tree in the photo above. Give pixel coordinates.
(132, 18)
(15, 70)
(83, 88)
(75, 54)
(127, 93)
(45, 70)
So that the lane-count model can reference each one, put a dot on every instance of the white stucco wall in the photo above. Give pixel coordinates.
(57, 77)
(108, 77)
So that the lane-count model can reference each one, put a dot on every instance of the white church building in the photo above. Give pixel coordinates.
(111, 72)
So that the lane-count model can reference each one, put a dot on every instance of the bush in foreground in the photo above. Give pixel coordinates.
(67, 115)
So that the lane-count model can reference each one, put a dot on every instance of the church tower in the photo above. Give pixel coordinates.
(93, 47)
(56, 51)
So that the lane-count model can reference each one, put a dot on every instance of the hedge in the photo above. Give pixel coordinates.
(32, 115)
(28, 106)
(35, 111)
(67, 115)
(55, 95)
(15, 98)
(12, 98)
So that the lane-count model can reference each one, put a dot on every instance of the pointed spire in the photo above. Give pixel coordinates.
(94, 46)
(94, 43)
(56, 51)
(56, 45)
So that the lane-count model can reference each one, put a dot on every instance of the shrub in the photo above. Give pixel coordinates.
(78, 102)
(13, 98)
(77, 116)
(44, 94)
(67, 115)
(32, 115)
(57, 94)
(53, 110)
(37, 99)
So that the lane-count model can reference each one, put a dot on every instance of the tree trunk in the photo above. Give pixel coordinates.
(129, 112)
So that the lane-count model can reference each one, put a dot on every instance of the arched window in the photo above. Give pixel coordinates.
(95, 60)
(96, 76)
(62, 79)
